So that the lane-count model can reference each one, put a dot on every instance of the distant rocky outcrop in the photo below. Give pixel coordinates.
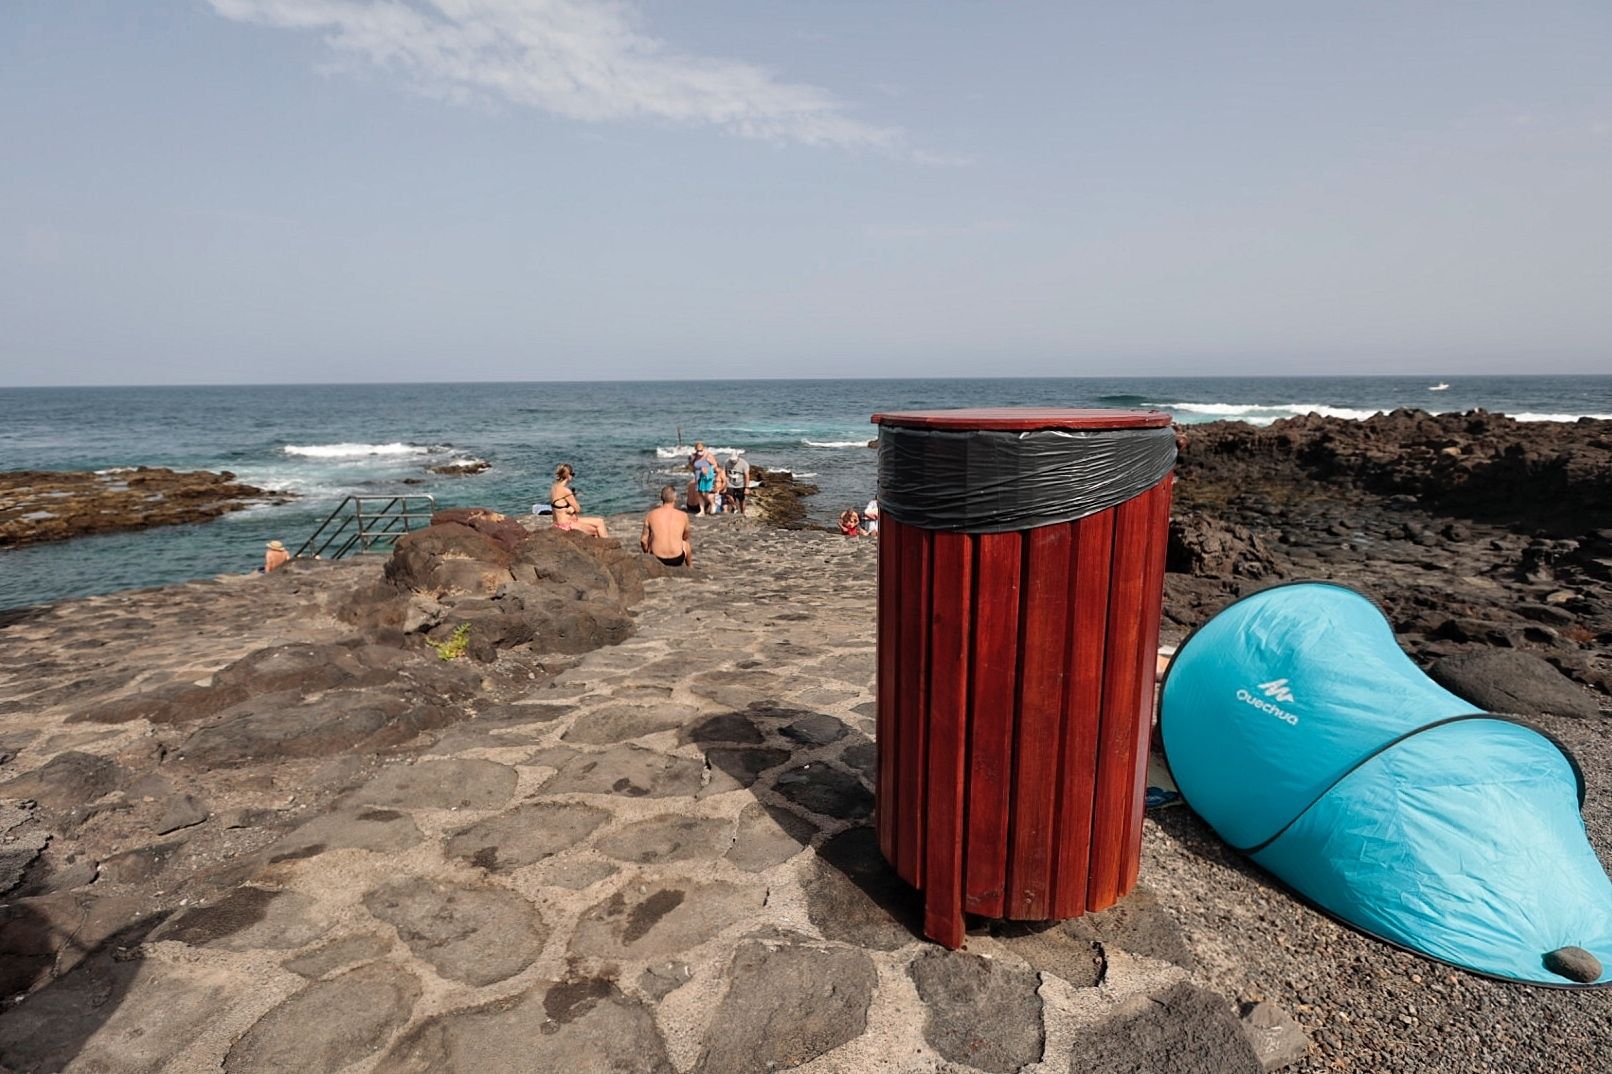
(1554, 476)
(51, 505)
(1487, 541)
(780, 498)
(461, 467)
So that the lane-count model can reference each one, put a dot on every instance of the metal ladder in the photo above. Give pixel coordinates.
(358, 526)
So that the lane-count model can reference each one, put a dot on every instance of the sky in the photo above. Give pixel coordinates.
(220, 191)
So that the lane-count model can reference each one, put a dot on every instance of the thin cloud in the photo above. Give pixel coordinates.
(584, 61)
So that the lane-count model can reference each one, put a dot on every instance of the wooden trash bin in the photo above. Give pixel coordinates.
(1021, 572)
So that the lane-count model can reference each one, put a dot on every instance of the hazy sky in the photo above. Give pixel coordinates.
(304, 190)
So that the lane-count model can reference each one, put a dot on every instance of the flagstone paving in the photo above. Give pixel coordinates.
(657, 861)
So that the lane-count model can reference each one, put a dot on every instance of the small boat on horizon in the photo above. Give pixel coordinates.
(1439, 387)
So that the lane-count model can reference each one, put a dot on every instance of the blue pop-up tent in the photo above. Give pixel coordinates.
(1296, 727)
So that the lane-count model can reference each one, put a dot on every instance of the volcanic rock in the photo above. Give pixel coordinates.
(787, 1005)
(1512, 681)
(41, 505)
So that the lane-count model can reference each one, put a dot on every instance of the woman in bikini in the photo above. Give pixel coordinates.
(567, 512)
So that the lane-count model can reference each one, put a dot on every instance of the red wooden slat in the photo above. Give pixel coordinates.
(991, 706)
(912, 702)
(886, 789)
(1093, 547)
(948, 738)
(1158, 508)
(1042, 662)
(1123, 665)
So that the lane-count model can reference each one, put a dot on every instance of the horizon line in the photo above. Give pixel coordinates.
(791, 380)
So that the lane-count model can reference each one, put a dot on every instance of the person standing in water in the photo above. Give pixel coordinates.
(666, 532)
(567, 511)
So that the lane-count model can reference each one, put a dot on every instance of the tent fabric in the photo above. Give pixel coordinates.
(1297, 728)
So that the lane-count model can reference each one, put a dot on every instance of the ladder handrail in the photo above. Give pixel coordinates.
(382, 525)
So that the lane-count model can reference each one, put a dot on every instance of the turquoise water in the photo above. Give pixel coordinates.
(325, 442)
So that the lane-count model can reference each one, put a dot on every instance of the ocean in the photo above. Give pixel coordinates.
(625, 439)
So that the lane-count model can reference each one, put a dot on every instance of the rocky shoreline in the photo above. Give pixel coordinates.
(51, 505)
(1486, 540)
(519, 794)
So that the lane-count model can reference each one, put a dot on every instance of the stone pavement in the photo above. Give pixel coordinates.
(657, 861)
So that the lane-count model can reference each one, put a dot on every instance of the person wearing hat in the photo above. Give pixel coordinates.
(276, 557)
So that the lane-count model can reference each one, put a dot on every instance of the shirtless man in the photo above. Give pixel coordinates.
(665, 533)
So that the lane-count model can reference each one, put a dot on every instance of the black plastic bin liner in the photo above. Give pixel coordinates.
(994, 481)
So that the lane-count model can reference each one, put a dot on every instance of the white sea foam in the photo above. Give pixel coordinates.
(1531, 416)
(1271, 412)
(683, 451)
(1263, 414)
(354, 451)
(837, 443)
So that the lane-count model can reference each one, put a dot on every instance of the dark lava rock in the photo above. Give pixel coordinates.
(574, 1026)
(853, 894)
(42, 505)
(978, 1011)
(1573, 963)
(778, 497)
(768, 836)
(787, 1005)
(130, 1017)
(499, 528)
(526, 834)
(674, 837)
(1513, 682)
(66, 782)
(1547, 475)
(180, 811)
(627, 770)
(660, 980)
(815, 729)
(451, 783)
(654, 921)
(621, 723)
(478, 934)
(1183, 1030)
(329, 1024)
(383, 831)
(730, 727)
(360, 948)
(248, 918)
(825, 789)
(734, 768)
(448, 558)
(272, 727)
(1202, 545)
(1277, 1038)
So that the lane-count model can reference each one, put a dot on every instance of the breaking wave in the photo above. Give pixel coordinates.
(1531, 416)
(1263, 414)
(683, 451)
(355, 451)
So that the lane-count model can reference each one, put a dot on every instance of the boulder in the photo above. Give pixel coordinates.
(1201, 545)
(501, 529)
(448, 558)
(67, 781)
(1512, 681)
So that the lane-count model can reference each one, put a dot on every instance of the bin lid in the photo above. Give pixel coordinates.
(1018, 419)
